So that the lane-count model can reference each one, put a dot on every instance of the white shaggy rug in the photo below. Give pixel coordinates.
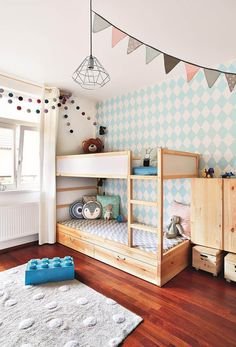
(62, 314)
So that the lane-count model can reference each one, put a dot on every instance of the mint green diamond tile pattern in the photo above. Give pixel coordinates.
(174, 114)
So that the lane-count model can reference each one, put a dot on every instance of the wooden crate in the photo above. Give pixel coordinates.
(230, 267)
(207, 259)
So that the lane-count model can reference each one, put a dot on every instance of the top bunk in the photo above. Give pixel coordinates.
(171, 164)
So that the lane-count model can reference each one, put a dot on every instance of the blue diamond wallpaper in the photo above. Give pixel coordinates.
(174, 114)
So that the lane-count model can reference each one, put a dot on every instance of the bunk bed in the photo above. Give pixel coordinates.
(139, 249)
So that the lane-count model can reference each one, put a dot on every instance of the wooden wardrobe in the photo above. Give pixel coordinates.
(213, 213)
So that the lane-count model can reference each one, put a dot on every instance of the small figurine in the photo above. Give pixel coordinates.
(228, 175)
(174, 228)
(108, 212)
(208, 173)
(147, 157)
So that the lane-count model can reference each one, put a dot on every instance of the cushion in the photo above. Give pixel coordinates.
(92, 210)
(76, 210)
(113, 200)
(145, 170)
(87, 198)
(183, 211)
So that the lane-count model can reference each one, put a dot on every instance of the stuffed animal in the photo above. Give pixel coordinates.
(174, 228)
(208, 173)
(92, 145)
(120, 219)
(108, 212)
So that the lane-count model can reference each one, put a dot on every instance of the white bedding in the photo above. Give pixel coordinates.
(118, 232)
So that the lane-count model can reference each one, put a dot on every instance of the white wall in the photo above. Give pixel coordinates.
(83, 128)
(71, 144)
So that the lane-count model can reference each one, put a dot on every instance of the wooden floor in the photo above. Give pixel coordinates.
(194, 309)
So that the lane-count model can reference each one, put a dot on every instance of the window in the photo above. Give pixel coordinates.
(19, 156)
(7, 154)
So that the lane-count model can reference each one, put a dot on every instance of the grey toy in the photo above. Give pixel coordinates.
(174, 228)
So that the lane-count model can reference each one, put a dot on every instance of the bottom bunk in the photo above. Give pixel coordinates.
(107, 241)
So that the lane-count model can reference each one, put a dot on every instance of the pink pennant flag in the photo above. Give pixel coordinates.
(191, 71)
(117, 36)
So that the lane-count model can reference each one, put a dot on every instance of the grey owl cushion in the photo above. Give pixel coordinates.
(92, 210)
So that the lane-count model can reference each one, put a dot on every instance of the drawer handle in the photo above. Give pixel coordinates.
(119, 258)
(203, 255)
(232, 230)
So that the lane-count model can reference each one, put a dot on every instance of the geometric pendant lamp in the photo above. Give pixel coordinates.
(91, 74)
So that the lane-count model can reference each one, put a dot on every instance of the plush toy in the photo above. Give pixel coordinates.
(108, 212)
(228, 175)
(120, 219)
(174, 228)
(92, 145)
(208, 173)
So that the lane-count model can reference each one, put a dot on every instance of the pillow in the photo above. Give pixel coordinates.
(183, 211)
(113, 200)
(76, 210)
(87, 198)
(92, 210)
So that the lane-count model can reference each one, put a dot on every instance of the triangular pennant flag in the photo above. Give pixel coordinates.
(170, 62)
(117, 36)
(151, 53)
(99, 23)
(231, 79)
(211, 76)
(191, 71)
(133, 45)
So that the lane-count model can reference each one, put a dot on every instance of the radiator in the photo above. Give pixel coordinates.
(18, 221)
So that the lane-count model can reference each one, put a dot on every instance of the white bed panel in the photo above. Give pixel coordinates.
(174, 165)
(94, 166)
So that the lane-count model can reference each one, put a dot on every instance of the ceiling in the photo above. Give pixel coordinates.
(45, 41)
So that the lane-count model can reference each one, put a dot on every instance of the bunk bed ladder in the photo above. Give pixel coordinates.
(131, 202)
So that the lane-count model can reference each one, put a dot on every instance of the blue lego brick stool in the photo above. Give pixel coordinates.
(49, 270)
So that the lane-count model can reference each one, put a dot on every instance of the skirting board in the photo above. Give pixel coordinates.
(19, 241)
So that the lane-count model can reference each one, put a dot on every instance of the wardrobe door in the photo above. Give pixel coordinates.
(230, 215)
(206, 212)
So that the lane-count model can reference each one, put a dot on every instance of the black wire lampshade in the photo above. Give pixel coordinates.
(91, 74)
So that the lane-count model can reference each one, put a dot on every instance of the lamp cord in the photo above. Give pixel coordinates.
(91, 38)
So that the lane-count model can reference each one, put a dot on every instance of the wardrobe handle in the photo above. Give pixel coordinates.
(232, 230)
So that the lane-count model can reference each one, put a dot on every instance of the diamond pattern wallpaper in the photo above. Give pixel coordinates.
(174, 114)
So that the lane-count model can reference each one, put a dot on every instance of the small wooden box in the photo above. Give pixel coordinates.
(230, 267)
(207, 259)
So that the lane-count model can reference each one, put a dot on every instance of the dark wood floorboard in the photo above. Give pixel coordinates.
(193, 309)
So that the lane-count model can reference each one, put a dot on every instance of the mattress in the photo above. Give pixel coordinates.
(118, 232)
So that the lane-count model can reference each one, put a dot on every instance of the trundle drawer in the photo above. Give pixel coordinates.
(74, 243)
(207, 259)
(128, 264)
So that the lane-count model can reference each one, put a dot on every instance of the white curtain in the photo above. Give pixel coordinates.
(48, 140)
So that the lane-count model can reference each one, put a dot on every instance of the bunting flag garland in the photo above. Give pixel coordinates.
(99, 24)
(133, 45)
(170, 62)
(117, 36)
(231, 80)
(211, 76)
(191, 71)
(151, 54)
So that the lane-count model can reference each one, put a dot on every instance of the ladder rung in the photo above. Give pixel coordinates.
(143, 177)
(145, 227)
(143, 202)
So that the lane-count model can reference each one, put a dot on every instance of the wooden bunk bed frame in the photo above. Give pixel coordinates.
(155, 268)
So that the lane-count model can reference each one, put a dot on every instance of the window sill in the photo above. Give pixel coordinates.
(19, 191)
